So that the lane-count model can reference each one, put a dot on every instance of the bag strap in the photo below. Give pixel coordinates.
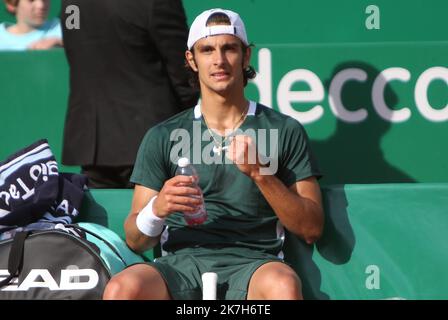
(15, 259)
(75, 226)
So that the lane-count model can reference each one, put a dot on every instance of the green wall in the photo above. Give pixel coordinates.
(329, 21)
(33, 100)
(367, 251)
(301, 48)
(375, 148)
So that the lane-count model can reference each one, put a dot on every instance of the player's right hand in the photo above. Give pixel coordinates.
(178, 194)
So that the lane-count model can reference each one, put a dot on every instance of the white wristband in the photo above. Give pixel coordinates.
(147, 222)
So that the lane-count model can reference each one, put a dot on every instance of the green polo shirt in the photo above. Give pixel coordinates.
(238, 214)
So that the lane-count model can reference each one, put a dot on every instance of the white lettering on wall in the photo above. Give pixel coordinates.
(421, 94)
(335, 100)
(316, 94)
(263, 80)
(378, 94)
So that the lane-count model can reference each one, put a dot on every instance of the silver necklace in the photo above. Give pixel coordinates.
(218, 146)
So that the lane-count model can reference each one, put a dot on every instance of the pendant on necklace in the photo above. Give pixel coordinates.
(217, 150)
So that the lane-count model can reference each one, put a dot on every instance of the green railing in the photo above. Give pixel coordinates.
(381, 241)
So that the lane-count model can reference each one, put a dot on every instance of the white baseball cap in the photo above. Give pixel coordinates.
(199, 29)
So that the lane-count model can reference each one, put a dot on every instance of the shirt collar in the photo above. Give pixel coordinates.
(250, 112)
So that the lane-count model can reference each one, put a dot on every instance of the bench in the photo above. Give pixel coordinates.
(380, 241)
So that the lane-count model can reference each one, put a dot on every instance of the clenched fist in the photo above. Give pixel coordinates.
(243, 152)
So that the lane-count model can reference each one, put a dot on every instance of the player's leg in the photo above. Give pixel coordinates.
(139, 282)
(275, 280)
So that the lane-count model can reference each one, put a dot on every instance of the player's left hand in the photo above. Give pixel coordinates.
(243, 153)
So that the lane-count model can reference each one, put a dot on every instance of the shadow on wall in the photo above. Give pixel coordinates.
(92, 211)
(353, 153)
(336, 244)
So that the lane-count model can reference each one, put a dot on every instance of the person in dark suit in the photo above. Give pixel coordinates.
(126, 75)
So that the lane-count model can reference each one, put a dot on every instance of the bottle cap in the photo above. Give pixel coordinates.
(183, 162)
(209, 280)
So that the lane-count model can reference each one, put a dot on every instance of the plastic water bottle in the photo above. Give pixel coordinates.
(185, 168)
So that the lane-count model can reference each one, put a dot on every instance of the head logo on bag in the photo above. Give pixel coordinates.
(66, 266)
(70, 279)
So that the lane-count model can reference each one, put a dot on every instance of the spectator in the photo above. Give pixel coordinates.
(126, 75)
(32, 31)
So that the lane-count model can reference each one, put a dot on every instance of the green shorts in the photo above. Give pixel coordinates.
(234, 266)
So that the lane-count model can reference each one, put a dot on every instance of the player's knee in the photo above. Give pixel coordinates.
(112, 290)
(284, 285)
(121, 288)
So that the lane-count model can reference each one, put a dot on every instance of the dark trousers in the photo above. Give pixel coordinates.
(107, 177)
